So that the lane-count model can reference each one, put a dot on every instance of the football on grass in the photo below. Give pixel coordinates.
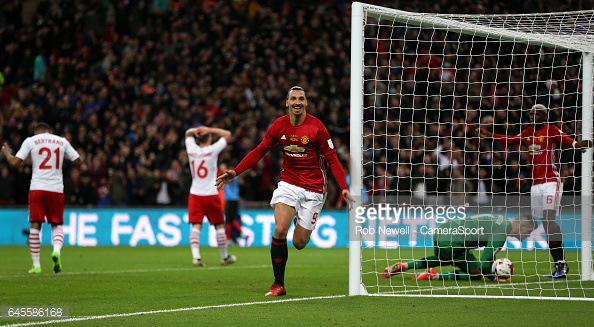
(503, 268)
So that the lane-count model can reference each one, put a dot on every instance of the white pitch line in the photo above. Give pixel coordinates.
(75, 273)
(74, 319)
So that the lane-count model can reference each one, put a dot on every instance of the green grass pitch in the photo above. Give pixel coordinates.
(530, 267)
(158, 286)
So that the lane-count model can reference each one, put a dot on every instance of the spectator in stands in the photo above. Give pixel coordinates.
(7, 186)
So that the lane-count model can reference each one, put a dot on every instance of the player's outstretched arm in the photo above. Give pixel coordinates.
(348, 198)
(12, 160)
(481, 132)
(502, 138)
(339, 176)
(583, 145)
(225, 178)
(250, 159)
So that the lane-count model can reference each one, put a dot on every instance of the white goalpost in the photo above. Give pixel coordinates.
(422, 85)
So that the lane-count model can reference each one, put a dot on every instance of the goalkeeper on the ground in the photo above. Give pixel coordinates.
(454, 240)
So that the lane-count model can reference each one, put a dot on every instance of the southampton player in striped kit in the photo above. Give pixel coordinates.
(543, 141)
(204, 197)
(46, 193)
(301, 192)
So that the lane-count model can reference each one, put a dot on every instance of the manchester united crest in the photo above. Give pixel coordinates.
(304, 139)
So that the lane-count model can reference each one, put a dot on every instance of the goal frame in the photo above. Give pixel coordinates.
(358, 20)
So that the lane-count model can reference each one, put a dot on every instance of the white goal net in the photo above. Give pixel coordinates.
(422, 87)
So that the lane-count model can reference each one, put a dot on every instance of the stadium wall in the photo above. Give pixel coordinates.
(168, 227)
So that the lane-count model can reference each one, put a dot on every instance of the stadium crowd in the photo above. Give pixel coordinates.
(124, 79)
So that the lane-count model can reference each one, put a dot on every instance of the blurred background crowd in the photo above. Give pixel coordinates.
(123, 80)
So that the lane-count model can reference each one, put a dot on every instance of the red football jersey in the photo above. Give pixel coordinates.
(305, 148)
(543, 146)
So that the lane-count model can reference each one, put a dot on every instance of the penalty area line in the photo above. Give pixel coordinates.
(132, 314)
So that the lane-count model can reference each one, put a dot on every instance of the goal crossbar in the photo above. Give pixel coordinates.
(515, 28)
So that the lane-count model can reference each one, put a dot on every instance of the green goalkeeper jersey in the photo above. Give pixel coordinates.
(485, 230)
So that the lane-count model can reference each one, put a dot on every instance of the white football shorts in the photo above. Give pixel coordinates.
(546, 196)
(307, 204)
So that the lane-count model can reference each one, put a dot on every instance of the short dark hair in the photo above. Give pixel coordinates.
(203, 138)
(42, 127)
(529, 219)
(294, 88)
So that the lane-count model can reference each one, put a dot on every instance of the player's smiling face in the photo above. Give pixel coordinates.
(296, 102)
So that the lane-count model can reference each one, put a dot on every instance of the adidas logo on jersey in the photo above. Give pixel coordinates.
(283, 137)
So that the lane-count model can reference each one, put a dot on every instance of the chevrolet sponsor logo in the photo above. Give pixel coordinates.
(534, 147)
(294, 148)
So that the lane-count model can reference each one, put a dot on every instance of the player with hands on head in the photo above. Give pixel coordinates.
(452, 247)
(301, 192)
(543, 141)
(204, 197)
(46, 193)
